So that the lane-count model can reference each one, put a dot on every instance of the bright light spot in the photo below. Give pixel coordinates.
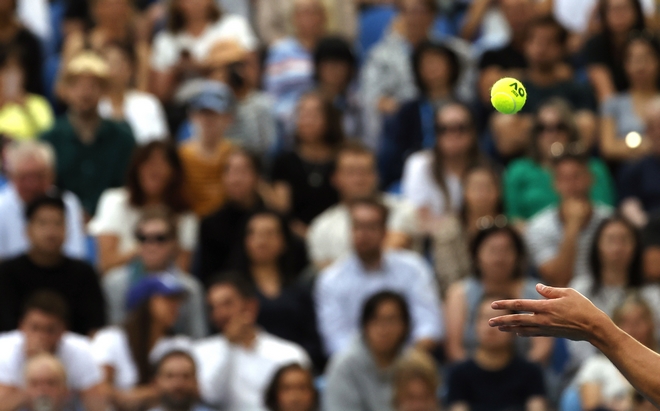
(633, 139)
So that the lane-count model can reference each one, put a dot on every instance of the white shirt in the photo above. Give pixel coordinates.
(234, 378)
(342, 289)
(614, 388)
(110, 348)
(575, 14)
(115, 216)
(35, 16)
(74, 351)
(419, 186)
(13, 237)
(168, 46)
(143, 112)
(329, 237)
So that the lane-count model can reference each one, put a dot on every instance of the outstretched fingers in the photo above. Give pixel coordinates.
(533, 306)
(515, 320)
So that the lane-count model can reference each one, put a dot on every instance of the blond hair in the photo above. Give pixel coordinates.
(414, 365)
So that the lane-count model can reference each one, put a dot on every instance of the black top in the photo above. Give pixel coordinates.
(579, 96)
(506, 57)
(30, 54)
(75, 280)
(639, 180)
(598, 51)
(508, 389)
(311, 189)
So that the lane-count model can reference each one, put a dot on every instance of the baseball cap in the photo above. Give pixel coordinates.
(214, 96)
(144, 289)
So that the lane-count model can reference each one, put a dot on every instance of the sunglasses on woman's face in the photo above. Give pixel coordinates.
(152, 238)
(551, 128)
(457, 128)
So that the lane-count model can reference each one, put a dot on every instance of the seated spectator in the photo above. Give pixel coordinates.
(127, 352)
(44, 267)
(360, 376)
(175, 380)
(342, 288)
(545, 51)
(30, 167)
(192, 28)
(155, 178)
(355, 178)
(23, 115)
(122, 102)
(235, 367)
(499, 267)
(416, 383)
(495, 378)
(604, 52)
(289, 68)
(432, 178)
(43, 330)
(335, 70)
(528, 180)
(623, 113)
(560, 236)
(92, 154)
(436, 69)
(45, 383)
(301, 178)
(204, 156)
(156, 234)
(292, 389)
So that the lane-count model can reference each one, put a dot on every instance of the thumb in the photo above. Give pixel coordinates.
(549, 292)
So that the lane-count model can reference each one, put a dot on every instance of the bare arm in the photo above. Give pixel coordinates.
(559, 270)
(163, 83)
(397, 240)
(455, 322)
(601, 79)
(12, 398)
(614, 148)
(109, 255)
(474, 18)
(536, 404)
(95, 398)
(590, 396)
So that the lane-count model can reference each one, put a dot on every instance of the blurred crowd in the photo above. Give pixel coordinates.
(309, 205)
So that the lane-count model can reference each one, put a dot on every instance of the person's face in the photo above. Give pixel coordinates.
(121, 69)
(211, 124)
(84, 92)
(489, 337)
(295, 391)
(620, 15)
(264, 242)
(32, 178)
(176, 383)
(44, 382)
(47, 230)
(417, 17)
(416, 395)
(240, 178)
(455, 135)
(641, 63)
(309, 19)
(155, 173)
(572, 180)
(481, 191)
(497, 257)
(228, 308)
(368, 231)
(165, 309)
(42, 331)
(635, 322)
(311, 120)
(111, 12)
(335, 73)
(355, 176)
(193, 9)
(543, 49)
(385, 332)
(158, 246)
(553, 131)
(434, 69)
(616, 245)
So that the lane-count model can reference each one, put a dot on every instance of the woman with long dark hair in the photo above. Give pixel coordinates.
(292, 389)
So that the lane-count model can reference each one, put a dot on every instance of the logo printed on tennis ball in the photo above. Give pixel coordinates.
(508, 95)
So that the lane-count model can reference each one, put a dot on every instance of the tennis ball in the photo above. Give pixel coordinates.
(508, 95)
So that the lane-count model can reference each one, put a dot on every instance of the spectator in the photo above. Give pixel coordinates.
(292, 389)
(360, 376)
(494, 378)
(436, 70)
(127, 352)
(416, 383)
(92, 153)
(432, 178)
(335, 70)
(142, 111)
(604, 52)
(342, 288)
(205, 155)
(289, 66)
(31, 170)
(451, 238)
(559, 237)
(43, 330)
(528, 181)
(545, 50)
(623, 113)
(176, 383)
(355, 178)
(180, 49)
(156, 234)
(236, 366)
(44, 267)
(23, 115)
(155, 178)
(45, 383)
(301, 178)
(273, 18)
(499, 266)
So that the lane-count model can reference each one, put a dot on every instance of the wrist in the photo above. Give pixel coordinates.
(603, 334)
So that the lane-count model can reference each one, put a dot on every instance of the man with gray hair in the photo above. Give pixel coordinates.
(45, 385)
(31, 172)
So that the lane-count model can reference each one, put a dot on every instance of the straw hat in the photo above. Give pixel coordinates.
(225, 52)
(86, 63)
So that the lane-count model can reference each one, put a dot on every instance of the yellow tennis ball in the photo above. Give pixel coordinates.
(508, 95)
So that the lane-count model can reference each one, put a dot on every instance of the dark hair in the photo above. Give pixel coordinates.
(173, 196)
(649, 39)
(488, 168)
(53, 200)
(639, 25)
(175, 354)
(334, 131)
(237, 281)
(548, 20)
(430, 47)
(517, 241)
(352, 147)
(373, 203)
(270, 397)
(371, 306)
(49, 302)
(634, 269)
(161, 213)
(177, 22)
(566, 117)
(431, 5)
(253, 158)
(334, 48)
(578, 157)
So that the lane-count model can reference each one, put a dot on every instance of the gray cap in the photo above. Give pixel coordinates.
(214, 96)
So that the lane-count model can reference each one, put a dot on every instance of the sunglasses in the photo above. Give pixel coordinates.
(452, 128)
(551, 128)
(154, 239)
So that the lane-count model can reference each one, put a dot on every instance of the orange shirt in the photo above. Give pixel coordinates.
(203, 176)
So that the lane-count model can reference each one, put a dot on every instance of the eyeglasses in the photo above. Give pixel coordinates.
(452, 128)
(551, 128)
(154, 238)
(486, 222)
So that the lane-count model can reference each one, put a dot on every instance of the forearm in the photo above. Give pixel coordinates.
(559, 271)
(12, 399)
